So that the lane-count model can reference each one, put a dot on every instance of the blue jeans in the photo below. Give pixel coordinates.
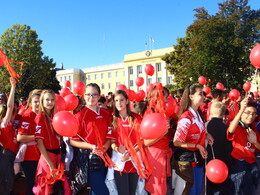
(198, 181)
(97, 182)
(244, 177)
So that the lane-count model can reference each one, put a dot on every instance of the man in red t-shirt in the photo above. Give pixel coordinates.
(245, 140)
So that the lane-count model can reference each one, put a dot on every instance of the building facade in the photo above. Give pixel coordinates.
(126, 72)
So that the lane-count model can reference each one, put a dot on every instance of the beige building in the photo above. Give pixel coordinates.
(126, 72)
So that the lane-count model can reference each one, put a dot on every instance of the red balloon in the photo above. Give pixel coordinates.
(207, 90)
(153, 126)
(60, 103)
(149, 87)
(65, 91)
(131, 94)
(216, 171)
(255, 94)
(67, 83)
(220, 86)
(149, 69)
(65, 124)
(234, 95)
(71, 102)
(170, 106)
(202, 80)
(255, 56)
(121, 87)
(247, 86)
(139, 95)
(1, 62)
(139, 81)
(79, 88)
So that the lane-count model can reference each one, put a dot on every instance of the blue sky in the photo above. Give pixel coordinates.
(88, 33)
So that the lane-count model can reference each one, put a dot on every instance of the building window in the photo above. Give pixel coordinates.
(159, 79)
(109, 85)
(131, 83)
(102, 86)
(60, 79)
(69, 78)
(130, 69)
(158, 67)
(116, 73)
(83, 78)
(89, 77)
(96, 77)
(170, 80)
(109, 75)
(139, 69)
(65, 78)
(102, 75)
(149, 81)
(117, 83)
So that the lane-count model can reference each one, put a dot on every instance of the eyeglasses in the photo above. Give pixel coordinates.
(95, 95)
(249, 113)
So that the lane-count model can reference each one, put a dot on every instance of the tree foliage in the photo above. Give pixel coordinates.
(217, 46)
(21, 44)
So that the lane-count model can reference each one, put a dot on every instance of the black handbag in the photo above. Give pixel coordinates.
(79, 169)
(182, 154)
(94, 162)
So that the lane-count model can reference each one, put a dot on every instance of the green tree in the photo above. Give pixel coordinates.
(217, 46)
(20, 43)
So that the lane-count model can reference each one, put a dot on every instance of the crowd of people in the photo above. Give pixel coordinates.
(109, 156)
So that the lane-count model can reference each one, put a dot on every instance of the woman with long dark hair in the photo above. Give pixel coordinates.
(190, 138)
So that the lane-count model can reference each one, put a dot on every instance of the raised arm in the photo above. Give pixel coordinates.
(10, 102)
(233, 125)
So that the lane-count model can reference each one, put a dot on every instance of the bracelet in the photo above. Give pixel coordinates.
(195, 145)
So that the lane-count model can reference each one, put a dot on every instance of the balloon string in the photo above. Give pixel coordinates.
(82, 138)
(212, 151)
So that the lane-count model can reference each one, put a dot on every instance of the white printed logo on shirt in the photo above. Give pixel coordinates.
(25, 125)
(38, 129)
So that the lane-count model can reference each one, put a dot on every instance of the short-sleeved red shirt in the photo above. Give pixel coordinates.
(242, 148)
(8, 137)
(43, 131)
(87, 118)
(27, 127)
(190, 129)
(123, 124)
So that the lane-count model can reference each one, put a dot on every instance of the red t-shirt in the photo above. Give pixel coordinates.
(27, 127)
(51, 139)
(190, 129)
(87, 117)
(8, 137)
(242, 148)
(123, 124)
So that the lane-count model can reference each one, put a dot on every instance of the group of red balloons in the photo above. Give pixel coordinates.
(64, 122)
(233, 94)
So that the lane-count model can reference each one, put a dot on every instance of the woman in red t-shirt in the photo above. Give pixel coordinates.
(26, 136)
(190, 137)
(8, 143)
(49, 143)
(92, 138)
(125, 145)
